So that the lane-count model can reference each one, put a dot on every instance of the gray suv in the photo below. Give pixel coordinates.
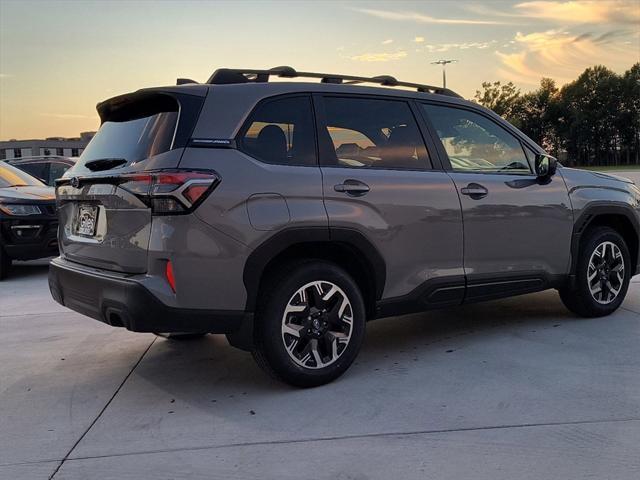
(287, 214)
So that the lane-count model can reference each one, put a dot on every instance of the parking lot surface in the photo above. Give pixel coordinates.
(517, 388)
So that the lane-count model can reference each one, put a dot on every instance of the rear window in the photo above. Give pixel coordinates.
(135, 131)
(140, 125)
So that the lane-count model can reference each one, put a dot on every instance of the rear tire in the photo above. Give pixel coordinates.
(603, 273)
(310, 324)
(5, 264)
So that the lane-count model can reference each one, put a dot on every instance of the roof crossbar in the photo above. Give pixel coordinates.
(242, 75)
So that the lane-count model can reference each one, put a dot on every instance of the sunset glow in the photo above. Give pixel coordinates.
(59, 58)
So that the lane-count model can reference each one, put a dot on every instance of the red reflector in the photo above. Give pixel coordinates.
(170, 278)
(194, 192)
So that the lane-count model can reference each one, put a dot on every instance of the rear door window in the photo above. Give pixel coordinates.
(281, 131)
(372, 133)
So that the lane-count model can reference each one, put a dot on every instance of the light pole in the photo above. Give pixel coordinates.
(444, 73)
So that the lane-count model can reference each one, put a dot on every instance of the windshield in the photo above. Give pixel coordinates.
(135, 131)
(13, 177)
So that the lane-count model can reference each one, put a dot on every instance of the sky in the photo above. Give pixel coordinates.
(59, 58)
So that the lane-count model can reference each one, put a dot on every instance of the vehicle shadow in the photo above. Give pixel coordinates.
(211, 365)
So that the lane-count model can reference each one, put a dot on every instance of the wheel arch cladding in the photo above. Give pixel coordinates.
(620, 218)
(347, 248)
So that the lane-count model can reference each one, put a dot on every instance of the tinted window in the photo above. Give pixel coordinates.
(475, 143)
(135, 128)
(281, 132)
(12, 177)
(38, 170)
(371, 133)
(56, 170)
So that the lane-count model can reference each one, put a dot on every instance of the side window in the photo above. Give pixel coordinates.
(281, 132)
(476, 144)
(372, 133)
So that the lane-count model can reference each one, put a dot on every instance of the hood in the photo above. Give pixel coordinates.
(578, 177)
(28, 193)
(613, 177)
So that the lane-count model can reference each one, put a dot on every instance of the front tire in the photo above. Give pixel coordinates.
(602, 276)
(311, 324)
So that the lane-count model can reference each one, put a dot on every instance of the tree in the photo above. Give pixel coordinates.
(594, 120)
(535, 114)
(500, 98)
(590, 106)
(628, 121)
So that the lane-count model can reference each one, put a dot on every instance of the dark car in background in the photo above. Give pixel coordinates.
(46, 168)
(28, 220)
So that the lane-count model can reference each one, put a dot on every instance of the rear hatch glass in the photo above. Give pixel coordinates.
(137, 131)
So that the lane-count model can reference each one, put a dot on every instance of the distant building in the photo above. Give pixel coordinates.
(67, 147)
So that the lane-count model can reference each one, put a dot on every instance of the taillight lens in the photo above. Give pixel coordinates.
(170, 193)
(171, 279)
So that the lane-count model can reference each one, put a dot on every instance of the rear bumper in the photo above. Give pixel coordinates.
(123, 302)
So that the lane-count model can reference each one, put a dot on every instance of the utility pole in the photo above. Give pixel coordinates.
(444, 73)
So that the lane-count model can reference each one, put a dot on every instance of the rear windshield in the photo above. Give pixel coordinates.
(134, 130)
(13, 177)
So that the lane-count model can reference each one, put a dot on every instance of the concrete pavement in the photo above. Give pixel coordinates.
(516, 388)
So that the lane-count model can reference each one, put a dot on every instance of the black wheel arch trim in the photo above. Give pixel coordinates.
(590, 213)
(279, 242)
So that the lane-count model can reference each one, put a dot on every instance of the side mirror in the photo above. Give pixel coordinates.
(546, 165)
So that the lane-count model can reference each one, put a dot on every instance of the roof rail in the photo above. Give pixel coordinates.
(246, 75)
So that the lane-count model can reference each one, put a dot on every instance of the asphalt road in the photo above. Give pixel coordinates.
(513, 389)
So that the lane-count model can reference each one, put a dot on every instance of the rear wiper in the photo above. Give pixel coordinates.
(104, 164)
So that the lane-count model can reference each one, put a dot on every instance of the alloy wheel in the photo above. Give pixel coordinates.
(605, 274)
(317, 324)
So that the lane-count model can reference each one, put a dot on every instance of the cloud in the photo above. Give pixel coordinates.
(422, 18)
(445, 47)
(559, 51)
(67, 116)
(612, 11)
(388, 41)
(5, 75)
(418, 39)
(379, 57)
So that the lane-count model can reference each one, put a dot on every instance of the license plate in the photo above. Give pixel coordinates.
(87, 220)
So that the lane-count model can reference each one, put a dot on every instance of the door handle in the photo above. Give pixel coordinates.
(351, 187)
(475, 191)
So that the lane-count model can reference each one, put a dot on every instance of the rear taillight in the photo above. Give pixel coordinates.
(170, 193)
